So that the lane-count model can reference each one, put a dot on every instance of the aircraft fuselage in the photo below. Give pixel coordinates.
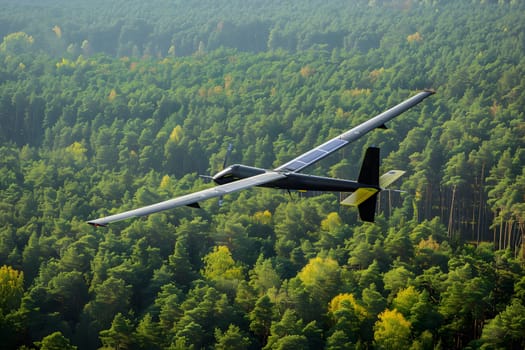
(292, 181)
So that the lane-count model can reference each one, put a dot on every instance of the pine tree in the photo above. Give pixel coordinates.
(120, 335)
(55, 341)
(261, 318)
(233, 338)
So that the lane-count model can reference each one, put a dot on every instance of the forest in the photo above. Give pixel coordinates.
(109, 106)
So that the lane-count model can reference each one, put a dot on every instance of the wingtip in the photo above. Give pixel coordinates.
(95, 224)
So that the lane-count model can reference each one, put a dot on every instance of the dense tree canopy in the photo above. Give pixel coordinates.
(105, 107)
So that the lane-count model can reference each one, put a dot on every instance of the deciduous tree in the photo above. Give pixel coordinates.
(392, 331)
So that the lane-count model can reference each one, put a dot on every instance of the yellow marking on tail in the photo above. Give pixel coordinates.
(362, 194)
(359, 196)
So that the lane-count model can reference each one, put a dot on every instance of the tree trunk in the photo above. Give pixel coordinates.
(500, 231)
(451, 216)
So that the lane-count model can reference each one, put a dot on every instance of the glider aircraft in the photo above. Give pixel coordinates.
(238, 177)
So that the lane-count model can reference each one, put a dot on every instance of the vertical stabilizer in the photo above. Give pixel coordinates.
(367, 209)
(369, 174)
(365, 198)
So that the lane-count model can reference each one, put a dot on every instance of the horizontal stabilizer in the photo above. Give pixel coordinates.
(365, 198)
(362, 194)
(359, 196)
(387, 179)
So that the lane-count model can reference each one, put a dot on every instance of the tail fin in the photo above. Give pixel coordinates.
(369, 173)
(367, 209)
(365, 197)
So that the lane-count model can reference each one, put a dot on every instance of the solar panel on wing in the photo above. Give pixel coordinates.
(291, 166)
(311, 156)
(332, 145)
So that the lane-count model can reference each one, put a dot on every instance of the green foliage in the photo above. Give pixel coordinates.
(126, 104)
(397, 279)
(261, 318)
(220, 268)
(287, 332)
(231, 339)
(148, 333)
(111, 298)
(16, 43)
(56, 341)
(392, 331)
(506, 329)
(119, 336)
(321, 278)
(11, 288)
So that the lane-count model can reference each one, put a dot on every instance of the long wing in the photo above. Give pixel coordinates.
(192, 198)
(329, 147)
